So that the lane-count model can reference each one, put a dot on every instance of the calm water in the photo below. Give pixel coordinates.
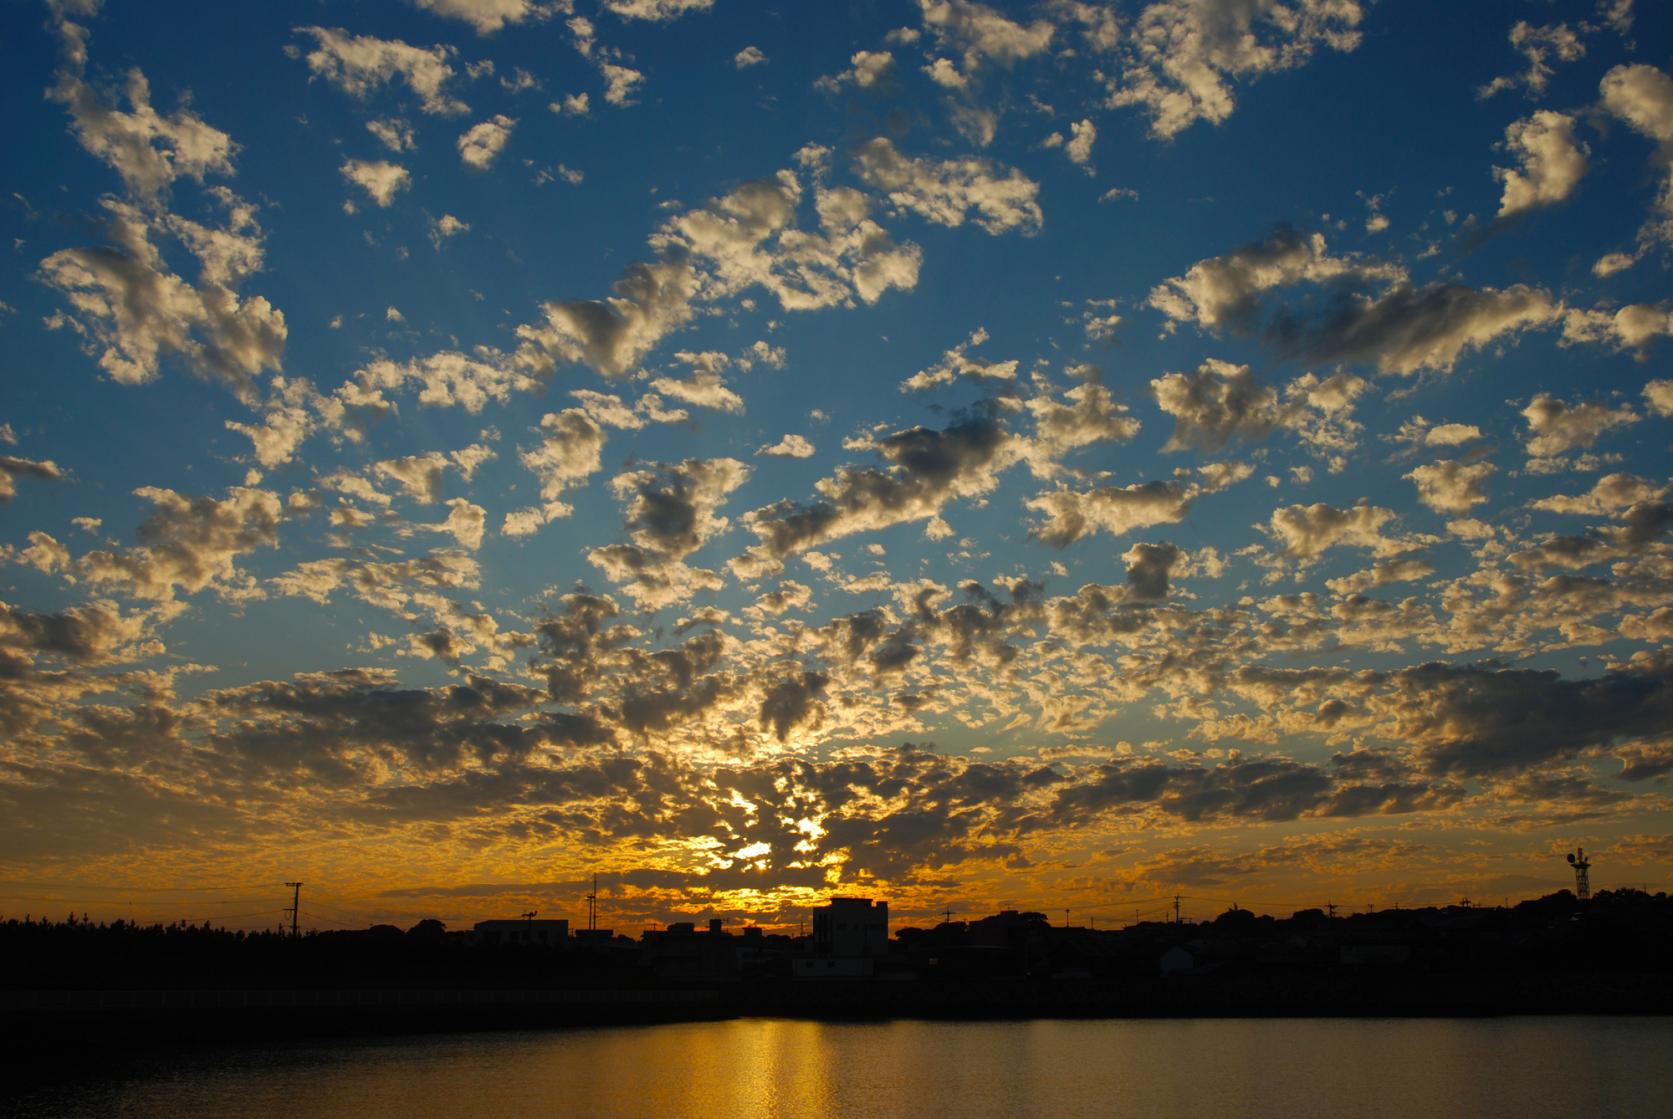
(1428, 1069)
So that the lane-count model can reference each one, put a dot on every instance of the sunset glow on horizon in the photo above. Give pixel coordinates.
(1052, 456)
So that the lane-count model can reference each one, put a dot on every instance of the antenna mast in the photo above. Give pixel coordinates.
(1582, 873)
(592, 907)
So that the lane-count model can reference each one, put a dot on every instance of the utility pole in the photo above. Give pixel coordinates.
(948, 915)
(592, 907)
(295, 905)
(1330, 909)
(1176, 909)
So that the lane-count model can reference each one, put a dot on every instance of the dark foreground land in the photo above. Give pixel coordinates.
(122, 985)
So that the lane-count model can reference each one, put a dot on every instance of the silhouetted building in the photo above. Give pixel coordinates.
(851, 927)
(849, 934)
(597, 938)
(682, 951)
(551, 934)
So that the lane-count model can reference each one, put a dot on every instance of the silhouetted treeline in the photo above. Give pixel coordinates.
(1622, 930)
(1551, 955)
(77, 954)
(1617, 930)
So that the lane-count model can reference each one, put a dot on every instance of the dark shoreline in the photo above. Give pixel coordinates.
(47, 1020)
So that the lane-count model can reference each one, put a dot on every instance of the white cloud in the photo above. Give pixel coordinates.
(1556, 426)
(925, 469)
(1082, 135)
(705, 389)
(570, 451)
(1225, 289)
(483, 142)
(1181, 57)
(445, 379)
(866, 70)
(1072, 514)
(957, 362)
(1117, 510)
(287, 419)
(466, 523)
(1609, 495)
(745, 238)
(658, 10)
(359, 64)
(575, 104)
(982, 34)
(394, 134)
(1540, 46)
(1450, 486)
(946, 191)
(489, 16)
(612, 334)
(671, 510)
(1401, 329)
(379, 178)
(132, 311)
(750, 56)
(791, 446)
(620, 82)
(759, 352)
(1307, 531)
(1643, 97)
(945, 73)
(1629, 328)
(1550, 162)
(1451, 435)
(13, 467)
(148, 150)
(1610, 263)
(1218, 402)
(422, 476)
(190, 544)
(446, 226)
(1087, 414)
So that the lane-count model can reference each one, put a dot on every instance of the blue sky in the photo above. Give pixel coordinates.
(1019, 452)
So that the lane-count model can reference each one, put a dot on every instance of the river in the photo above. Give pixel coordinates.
(761, 1068)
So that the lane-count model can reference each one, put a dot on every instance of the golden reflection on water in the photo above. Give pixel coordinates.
(780, 1069)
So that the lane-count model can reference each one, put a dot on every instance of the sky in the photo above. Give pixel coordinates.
(1054, 455)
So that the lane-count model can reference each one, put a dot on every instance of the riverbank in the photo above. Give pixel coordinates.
(49, 1019)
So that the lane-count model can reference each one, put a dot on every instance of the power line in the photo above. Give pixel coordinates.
(229, 916)
(1128, 903)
